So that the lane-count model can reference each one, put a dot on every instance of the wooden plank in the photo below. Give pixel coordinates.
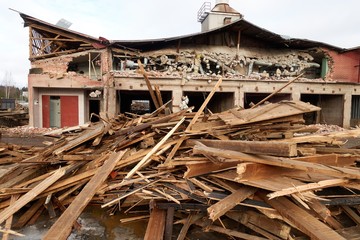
(308, 187)
(271, 111)
(116, 200)
(277, 91)
(174, 150)
(77, 157)
(153, 150)
(331, 159)
(87, 135)
(140, 127)
(334, 138)
(352, 214)
(156, 225)
(190, 194)
(254, 171)
(62, 227)
(274, 148)
(229, 232)
(273, 226)
(169, 223)
(10, 219)
(158, 95)
(9, 231)
(62, 208)
(29, 213)
(337, 150)
(280, 162)
(148, 84)
(221, 207)
(194, 170)
(191, 219)
(300, 218)
(192, 122)
(32, 194)
(36, 216)
(201, 109)
(324, 213)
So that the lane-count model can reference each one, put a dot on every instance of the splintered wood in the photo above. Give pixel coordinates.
(255, 173)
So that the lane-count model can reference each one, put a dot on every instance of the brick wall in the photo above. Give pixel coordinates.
(345, 66)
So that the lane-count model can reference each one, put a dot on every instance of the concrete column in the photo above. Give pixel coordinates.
(177, 94)
(238, 97)
(34, 106)
(109, 97)
(296, 95)
(347, 110)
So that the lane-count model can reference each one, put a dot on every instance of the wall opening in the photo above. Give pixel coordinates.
(88, 65)
(220, 101)
(55, 112)
(254, 98)
(60, 111)
(332, 108)
(128, 98)
(94, 108)
(355, 111)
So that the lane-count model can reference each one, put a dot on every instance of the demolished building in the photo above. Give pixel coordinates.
(73, 75)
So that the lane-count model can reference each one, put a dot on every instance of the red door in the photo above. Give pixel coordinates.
(69, 110)
(46, 111)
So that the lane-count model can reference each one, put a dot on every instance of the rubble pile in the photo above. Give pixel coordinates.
(243, 173)
(211, 63)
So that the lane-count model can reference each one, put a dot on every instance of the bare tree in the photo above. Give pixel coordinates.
(7, 81)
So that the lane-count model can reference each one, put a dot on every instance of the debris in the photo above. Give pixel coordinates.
(261, 169)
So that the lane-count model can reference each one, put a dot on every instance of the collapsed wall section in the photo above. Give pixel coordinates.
(249, 63)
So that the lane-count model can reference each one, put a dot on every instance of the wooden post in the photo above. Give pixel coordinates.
(148, 84)
(201, 109)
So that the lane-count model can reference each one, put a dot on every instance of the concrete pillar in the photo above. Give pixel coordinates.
(239, 97)
(109, 97)
(34, 105)
(177, 94)
(296, 95)
(347, 110)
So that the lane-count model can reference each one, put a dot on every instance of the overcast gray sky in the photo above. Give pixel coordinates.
(331, 21)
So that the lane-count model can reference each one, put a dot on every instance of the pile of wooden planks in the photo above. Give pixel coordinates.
(247, 173)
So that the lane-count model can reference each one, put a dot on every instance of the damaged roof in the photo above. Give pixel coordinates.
(242, 25)
(30, 21)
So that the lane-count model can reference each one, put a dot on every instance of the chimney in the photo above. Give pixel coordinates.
(220, 15)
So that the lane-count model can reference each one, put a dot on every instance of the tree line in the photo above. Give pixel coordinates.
(12, 92)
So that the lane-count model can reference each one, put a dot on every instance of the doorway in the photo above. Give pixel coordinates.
(94, 110)
(55, 112)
